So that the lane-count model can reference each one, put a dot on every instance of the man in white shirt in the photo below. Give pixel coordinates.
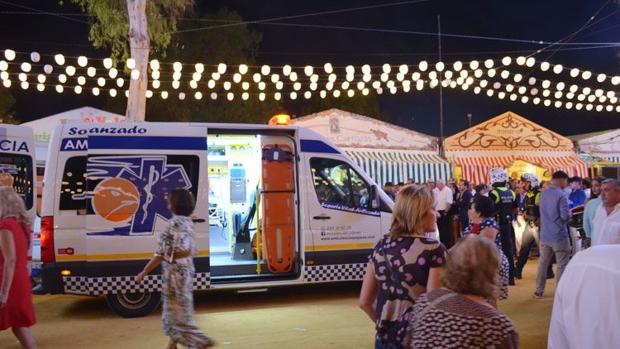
(443, 202)
(606, 223)
(586, 309)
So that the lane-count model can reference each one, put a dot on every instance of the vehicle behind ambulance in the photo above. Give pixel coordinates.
(17, 161)
(274, 206)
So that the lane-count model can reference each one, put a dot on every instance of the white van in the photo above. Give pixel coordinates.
(318, 213)
(17, 163)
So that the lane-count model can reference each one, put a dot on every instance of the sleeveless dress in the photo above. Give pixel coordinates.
(401, 265)
(19, 311)
(177, 283)
(476, 228)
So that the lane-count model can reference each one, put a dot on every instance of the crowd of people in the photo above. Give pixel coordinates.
(422, 289)
(438, 286)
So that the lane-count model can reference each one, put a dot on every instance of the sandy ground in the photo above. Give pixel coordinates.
(318, 316)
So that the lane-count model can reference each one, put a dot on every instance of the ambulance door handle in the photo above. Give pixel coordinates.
(198, 220)
(322, 217)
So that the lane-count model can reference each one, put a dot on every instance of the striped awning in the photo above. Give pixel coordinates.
(476, 169)
(399, 166)
(612, 158)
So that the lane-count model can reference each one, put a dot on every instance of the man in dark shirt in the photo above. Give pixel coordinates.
(464, 199)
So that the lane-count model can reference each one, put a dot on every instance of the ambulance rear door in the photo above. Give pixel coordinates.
(17, 163)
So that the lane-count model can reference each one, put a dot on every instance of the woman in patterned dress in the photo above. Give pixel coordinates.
(403, 265)
(482, 222)
(175, 249)
(459, 315)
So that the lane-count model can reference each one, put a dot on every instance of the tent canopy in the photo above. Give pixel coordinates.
(42, 127)
(386, 152)
(508, 137)
(604, 145)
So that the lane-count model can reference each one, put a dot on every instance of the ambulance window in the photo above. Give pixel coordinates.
(17, 170)
(335, 182)
(73, 184)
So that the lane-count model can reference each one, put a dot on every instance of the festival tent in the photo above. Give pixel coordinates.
(604, 145)
(42, 127)
(601, 151)
(512, 142)
(386, 152)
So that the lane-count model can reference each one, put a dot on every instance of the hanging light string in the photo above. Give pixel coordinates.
(493, 77)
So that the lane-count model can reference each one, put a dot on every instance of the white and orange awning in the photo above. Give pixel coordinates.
(506, 138)
(476, 168)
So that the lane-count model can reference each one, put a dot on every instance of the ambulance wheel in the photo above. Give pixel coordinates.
(133, 304)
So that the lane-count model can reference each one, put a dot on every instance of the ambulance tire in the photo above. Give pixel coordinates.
(136, 304)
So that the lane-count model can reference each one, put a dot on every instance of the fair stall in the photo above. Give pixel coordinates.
(388, 153)
(514, 143)
(601, 150)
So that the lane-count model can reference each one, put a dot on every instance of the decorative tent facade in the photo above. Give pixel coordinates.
(506, 139)
(385, 151)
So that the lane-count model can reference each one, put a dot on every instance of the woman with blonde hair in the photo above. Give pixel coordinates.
(403, 265)
(16, 309)
(460, 314)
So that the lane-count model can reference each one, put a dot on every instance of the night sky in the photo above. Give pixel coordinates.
(548, 20)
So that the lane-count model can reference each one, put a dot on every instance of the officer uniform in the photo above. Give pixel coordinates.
(505, 203)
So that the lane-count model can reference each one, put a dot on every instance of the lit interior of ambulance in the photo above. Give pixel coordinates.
(245, 176)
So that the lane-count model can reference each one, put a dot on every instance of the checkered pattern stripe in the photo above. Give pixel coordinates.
(334, 272)
(122, 284)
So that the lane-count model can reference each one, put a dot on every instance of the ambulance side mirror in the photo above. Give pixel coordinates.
(374, 198)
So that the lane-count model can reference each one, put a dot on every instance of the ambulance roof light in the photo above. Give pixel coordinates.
(280, 119)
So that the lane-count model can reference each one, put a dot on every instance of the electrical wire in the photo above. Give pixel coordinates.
(424, 33)
(44, 12)
(312, 14)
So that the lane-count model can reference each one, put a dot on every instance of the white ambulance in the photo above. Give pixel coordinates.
(276, 205)
(17, 163)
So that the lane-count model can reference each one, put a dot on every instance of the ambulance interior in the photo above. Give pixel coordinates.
(238, 178)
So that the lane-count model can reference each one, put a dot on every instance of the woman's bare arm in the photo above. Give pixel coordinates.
(150, 266)
(368, 294)
(7, 247)
(434, 279)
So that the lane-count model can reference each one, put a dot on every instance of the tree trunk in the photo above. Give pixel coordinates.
(139, 45)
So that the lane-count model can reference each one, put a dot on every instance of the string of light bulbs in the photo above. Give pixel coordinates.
(288, 81)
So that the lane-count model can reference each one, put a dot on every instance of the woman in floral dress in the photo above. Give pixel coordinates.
(403, 265)
(481, 222)
(175, 250)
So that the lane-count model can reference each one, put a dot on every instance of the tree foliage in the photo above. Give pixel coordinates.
(110, 26)
(231, 45)
(6, 107)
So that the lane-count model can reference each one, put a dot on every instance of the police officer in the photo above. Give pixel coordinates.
(505, 204)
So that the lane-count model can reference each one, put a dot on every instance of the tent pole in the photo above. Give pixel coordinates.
(440, 88)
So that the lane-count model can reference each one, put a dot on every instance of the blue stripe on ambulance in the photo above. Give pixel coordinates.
(314, 146)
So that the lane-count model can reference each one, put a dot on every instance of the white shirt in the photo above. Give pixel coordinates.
(606, 228)
(586, 309)
(443, 198)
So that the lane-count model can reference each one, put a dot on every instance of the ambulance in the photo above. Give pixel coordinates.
(17, 164)
(275, 206)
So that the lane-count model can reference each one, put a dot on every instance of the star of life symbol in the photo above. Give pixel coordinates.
(151, 177)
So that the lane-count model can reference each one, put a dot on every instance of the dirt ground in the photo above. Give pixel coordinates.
(317, 316)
